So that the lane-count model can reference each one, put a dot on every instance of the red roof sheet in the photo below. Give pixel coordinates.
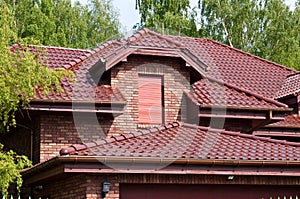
(290, 121)
(189, 142)
(146, 37)
(223, 62)
(237, 67)
(81, 89)
(213, 93)
(229, 64)
(291, 86)
(58, 57)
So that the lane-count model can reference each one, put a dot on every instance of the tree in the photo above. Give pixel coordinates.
(102, 22)
(63, 23)
(265, 28)
(21, 74)
(10, 166)
(166, 15)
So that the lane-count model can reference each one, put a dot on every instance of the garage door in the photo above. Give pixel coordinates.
(166, 191)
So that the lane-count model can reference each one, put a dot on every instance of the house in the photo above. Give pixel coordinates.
(163, 116)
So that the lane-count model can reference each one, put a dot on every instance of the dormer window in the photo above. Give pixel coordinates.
(150, 100)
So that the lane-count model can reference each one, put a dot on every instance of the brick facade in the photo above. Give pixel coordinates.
(89, 186)
(72, 186)
(124, 76)
(55, 130)
(59, 130)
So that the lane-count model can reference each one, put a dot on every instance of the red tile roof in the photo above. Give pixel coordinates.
(83, 92)
(237, 67)
(215, 93)
(81, 89)
(291, 86)
(146, 37)
(221, 61)
(189, 142)
(290, 121)
(229, 64)
(58, 57)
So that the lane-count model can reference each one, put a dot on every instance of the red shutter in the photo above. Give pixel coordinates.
(150, 100)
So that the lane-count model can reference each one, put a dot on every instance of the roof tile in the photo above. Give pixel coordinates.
(192, 142)
(214, 93)
(229, 64)
(81, 89)
(291, 86)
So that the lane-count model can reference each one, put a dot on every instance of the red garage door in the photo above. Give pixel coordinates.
(155, 191)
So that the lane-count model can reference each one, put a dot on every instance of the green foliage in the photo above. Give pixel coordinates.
(165, 15)
(103, 22)
(10, 166)
(21, 72)
(63, 23)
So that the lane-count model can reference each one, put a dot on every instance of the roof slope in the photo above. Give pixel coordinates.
(82, 89)
(185, 141)
(214, 93)
(229, 64)
(57, 57)
(222, 62)
(290, 86)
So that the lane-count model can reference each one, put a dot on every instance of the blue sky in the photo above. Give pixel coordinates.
(129, 16)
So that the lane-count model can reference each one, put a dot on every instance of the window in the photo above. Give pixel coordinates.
(150, 99)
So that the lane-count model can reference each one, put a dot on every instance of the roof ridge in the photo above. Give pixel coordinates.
(239, 134)
(251, 55)
(188, 37)
(144, 31)
(105, 45)
(137, 35)
(248, 91)
(78, 147)
(166, 38)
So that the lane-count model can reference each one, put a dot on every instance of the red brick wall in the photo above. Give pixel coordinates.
(94, 187)
(58, 130)
(79, 186)
(55, 130)
(124, 76)
(89, 186)
(70, 187)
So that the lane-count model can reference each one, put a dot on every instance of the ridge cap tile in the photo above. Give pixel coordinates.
(120, 137)
(90, 144)
(128, 135)
(110, 140)
(79, 147)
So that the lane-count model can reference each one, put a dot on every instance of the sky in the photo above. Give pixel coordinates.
(129, 16)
